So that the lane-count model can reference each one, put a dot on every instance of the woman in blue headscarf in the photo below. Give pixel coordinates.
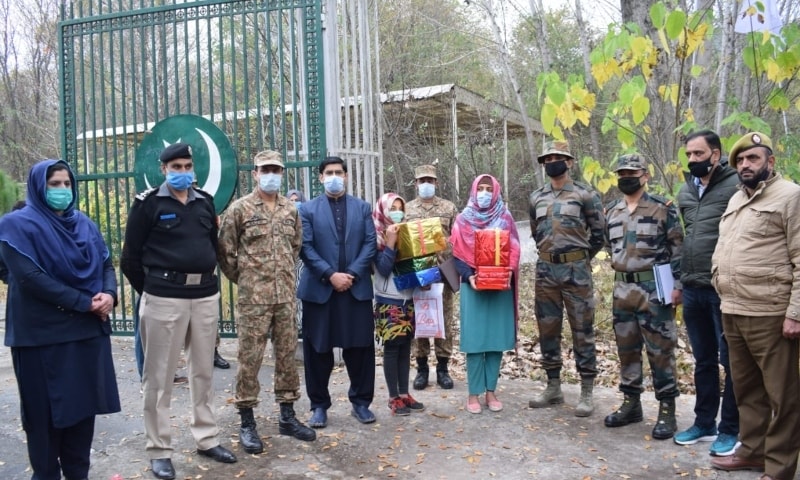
(61, 290)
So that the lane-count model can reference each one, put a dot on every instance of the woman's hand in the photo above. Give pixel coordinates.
(102, 304)
(391, 235)
(472, 282)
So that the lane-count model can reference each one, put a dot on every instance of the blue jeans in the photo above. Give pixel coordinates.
(703, 319)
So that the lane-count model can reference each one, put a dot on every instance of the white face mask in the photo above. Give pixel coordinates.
(484, 198)
(270, 182)
(426, 190)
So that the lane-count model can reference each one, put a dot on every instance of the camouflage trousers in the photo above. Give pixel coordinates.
(257, 323)
(639, 319)
(443, 347)
(569, 287)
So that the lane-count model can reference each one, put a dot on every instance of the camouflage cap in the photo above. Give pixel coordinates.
(268, 157)
(555, 147)
(631, 161)
(425, 171)
(752, 139)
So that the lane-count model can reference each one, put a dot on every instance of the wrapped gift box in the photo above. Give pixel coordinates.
(493, 247)
(420, 238)
(412, 265)
(493, 278)
(418, 279)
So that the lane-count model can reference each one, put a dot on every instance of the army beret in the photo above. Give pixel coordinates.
(557, 147)
(631, 161)
(176, 150)
(748, 141)
(329, 160)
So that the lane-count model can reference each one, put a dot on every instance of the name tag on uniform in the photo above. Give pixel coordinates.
(167, 216)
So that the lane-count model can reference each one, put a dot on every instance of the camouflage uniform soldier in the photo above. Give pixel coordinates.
(642, 231)
(567, 223)
(428, 205)
(259, 242)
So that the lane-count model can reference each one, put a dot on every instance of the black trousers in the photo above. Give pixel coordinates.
(360, 364)
(51, 450)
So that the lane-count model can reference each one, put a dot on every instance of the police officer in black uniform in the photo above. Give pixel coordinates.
(169, 257)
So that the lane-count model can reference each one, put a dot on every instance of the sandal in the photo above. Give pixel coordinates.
(474, 407)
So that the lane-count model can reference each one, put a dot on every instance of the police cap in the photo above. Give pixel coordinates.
(176, 150)
(748, 141)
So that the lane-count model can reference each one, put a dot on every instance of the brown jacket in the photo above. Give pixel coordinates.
(756, 264)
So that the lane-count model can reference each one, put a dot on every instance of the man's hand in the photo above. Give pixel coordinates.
(341, 281)
(677, 298)
(791, 328)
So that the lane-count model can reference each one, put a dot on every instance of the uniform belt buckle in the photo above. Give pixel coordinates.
(193, 278)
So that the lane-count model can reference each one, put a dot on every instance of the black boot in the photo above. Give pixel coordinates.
(442, 375)
(248, 436)
(220, 362)
(421, 380)
(288, 424)
(629, 412)
(665, 425)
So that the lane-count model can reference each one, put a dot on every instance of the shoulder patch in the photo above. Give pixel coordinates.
(584, 186)
(141, 196)
(608, 206)
(204, 193)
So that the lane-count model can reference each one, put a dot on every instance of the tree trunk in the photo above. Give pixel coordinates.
(594, 133)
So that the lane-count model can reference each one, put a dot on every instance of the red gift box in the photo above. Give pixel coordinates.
(493, 278)
(493, 248)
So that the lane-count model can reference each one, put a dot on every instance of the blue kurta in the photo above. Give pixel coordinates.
(487, 320)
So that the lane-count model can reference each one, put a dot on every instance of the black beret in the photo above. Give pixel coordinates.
(176, 150)
(329, 160)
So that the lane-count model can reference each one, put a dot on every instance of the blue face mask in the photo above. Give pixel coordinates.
(397, 216)
(333, 184)
(297, 203)
(59, 198)
(484, 198)
(180, 181)
(426, 190)
(270, 182)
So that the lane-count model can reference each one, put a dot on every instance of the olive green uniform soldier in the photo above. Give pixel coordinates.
(643, 230)
(567, 223)
(428, 205)
(259, 242)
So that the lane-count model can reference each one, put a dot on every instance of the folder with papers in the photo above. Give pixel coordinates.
(665, 282)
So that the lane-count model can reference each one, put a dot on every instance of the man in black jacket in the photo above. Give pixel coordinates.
(702, 201)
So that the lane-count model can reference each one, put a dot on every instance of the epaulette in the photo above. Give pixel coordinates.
(608, 206)
(662, 200)
(141, 196)
(204, 193)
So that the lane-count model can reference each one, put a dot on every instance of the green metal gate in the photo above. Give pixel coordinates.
(253, 68)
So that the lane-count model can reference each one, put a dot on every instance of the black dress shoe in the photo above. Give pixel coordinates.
(220, 362)
(219, 454)
(162, 468)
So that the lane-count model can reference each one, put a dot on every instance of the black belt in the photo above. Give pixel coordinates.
(179, 277)
(568, 257)
(635, 277)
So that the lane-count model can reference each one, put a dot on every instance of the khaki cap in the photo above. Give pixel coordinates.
(268, 157)
(425, 171)
(748, 141)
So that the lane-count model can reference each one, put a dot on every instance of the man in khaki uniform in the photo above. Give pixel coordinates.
(259, 242)
(755, 269)
(428, 205)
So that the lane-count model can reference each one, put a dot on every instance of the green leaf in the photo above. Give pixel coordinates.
(548, 117)
(625, 137)
(556, 92)
(778, 100)
(675, 23)
(641, 107)
(658, 15)
(696, 70)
